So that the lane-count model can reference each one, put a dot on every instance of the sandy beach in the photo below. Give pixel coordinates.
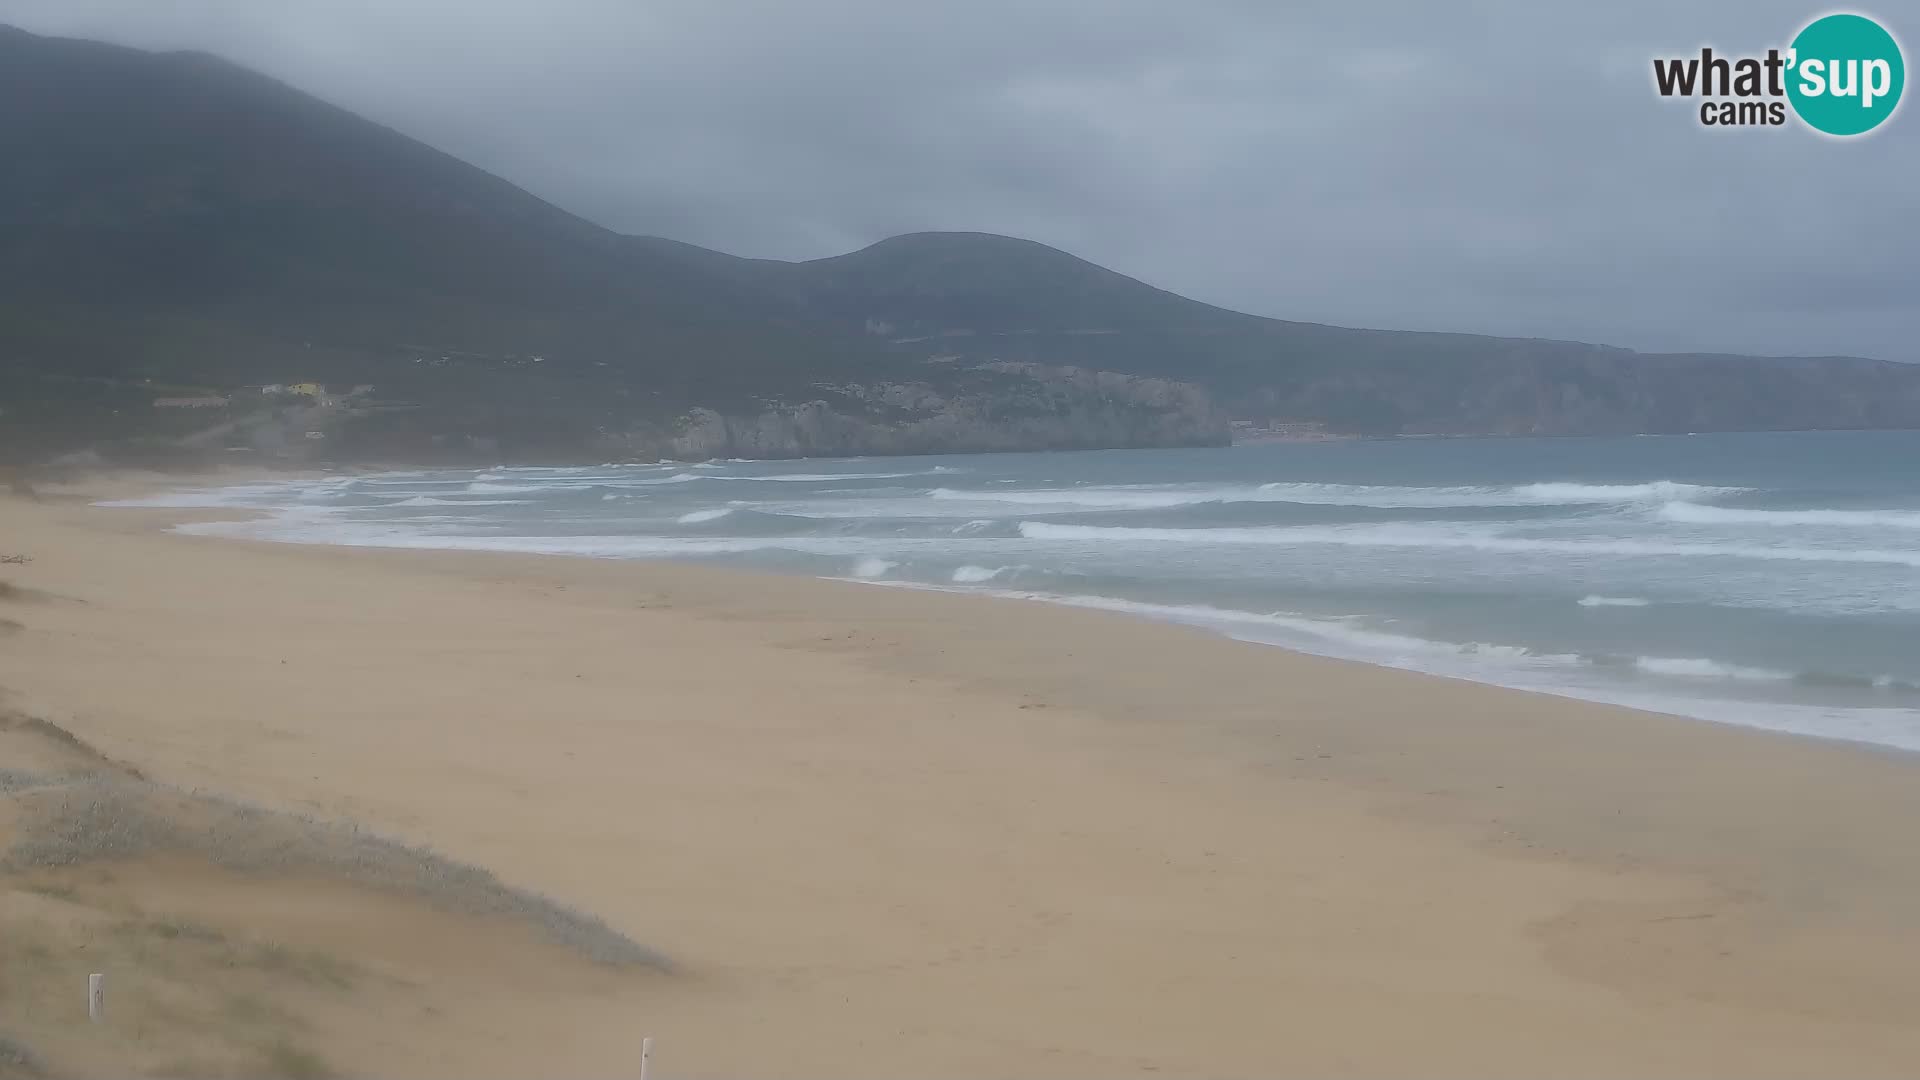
(885, 833)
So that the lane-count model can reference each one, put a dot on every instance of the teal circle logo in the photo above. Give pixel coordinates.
(1845, 74)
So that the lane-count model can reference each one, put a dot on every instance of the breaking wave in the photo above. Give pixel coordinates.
(1612, 601)
(1414, 537)
(1695, 514)
(697, 516)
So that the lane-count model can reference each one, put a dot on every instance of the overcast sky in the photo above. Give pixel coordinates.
(1413, 165)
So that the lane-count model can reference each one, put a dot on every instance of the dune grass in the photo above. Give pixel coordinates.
(69, 820)
(212, 999)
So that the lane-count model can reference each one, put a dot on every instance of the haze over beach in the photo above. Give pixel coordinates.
(875, 540)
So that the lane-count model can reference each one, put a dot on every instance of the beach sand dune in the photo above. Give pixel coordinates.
(243, 942)
(886, 833)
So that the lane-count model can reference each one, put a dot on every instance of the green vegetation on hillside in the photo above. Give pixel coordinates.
(181, 222)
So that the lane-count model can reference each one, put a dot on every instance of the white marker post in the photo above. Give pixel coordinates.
(646, 1056)
(96, 996)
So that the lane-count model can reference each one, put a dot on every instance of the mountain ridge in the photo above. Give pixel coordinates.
(179, 220)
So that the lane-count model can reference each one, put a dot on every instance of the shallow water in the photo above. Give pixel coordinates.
(1771, 580)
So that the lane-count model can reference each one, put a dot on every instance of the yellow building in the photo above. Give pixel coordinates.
(312, 390)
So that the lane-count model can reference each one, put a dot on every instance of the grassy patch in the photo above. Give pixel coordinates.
(103, 818)
(183, 928)
(52, 890)
(306, 965)
(22, 780)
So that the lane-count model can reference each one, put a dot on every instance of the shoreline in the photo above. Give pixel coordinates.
(1122, 609)
(901, 832)
(1873, 721)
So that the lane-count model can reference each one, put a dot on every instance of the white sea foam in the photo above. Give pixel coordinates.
(1706, 669)
(1696, 514)
(697, 516)
(1440, 538)
(1612, 601)
(820, 478)
(1149, 496)
(1668, 530)
(429, 500)
(973, 575)
(488, 487)
(1622, 493)
(1562, 675)
(1098, 498)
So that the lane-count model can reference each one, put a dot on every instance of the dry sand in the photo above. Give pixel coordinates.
(886, 833)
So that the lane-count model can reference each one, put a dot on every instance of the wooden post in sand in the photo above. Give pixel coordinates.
(96, 996)
(646, 1056)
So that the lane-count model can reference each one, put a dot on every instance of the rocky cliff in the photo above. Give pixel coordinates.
(1004, 406)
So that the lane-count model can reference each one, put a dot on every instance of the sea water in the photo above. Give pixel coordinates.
(1770, 580)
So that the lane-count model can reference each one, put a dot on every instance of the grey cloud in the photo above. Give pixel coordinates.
(1501, 168)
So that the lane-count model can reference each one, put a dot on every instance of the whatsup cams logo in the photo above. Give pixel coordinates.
(1842, 75)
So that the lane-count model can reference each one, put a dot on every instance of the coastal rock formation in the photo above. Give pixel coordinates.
(1005, 406)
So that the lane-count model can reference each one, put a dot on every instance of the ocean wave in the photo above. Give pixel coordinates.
(821, 478)
(973, 575)
(407, 480)
(1413, 537)
(697, 516)
(1706, 669)
(1612, 601)
(1623, 493)
(489, 487)
(1662, 684)
(1151, 497)
(548, 478)
(676, 478)
(429, 500)
(1110, 498)
(1695, 514)
(873, 567)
